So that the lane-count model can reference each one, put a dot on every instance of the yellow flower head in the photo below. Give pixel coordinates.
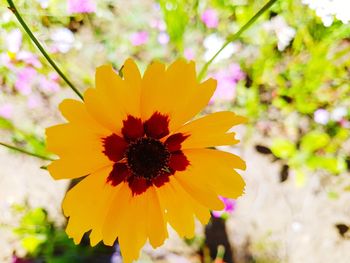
(145, 164)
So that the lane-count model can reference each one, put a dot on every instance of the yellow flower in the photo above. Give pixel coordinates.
(145, 164)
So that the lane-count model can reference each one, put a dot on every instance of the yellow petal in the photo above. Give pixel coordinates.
(116, 214)
(153, 91)
(217, 170)
(198, 190)
(174, 92)
(132, 234)
(124, 221)
(179, 213)
(81, 152)
(75, 112)
(196, 101)
(211, 130)
(68, 138)
(156, 225)
(103, 111)
(114, 98)
(201, 201)
(85, 202)
(131, 94)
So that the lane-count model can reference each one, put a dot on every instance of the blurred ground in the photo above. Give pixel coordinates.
(273, 222)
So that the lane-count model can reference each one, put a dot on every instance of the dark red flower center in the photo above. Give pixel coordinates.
(140, 158)
(147, 158)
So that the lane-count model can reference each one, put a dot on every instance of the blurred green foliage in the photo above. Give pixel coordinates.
(45, 242)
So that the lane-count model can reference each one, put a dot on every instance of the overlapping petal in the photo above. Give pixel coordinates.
(128, 111)
(211, 130)
(174, 91)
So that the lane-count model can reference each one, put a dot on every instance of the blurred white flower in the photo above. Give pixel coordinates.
(321, 116)
(63, 39)
(163, 38)
(213, 43)
(283, 31)
(339, 113)
(328, 9)
(44, 3)
(14, 40)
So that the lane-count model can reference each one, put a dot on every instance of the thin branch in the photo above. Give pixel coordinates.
(26, 152)
(236, 36)
(13, 8)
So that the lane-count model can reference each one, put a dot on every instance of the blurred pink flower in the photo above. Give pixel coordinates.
(6, 111)
(321, 116)
(189, 54)
(81, 6)
(29, 58)
(48, 85)
(227, 80)
(230, 205)
(14, 40)
(5, 61)
(34, 101)
(54, 76)
(24, 80)
(210, 18)
(139, 38)
(158, 24)
(163, 38)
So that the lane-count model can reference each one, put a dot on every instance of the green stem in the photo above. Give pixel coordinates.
(236, 36)
(13, 8)
(26, 152)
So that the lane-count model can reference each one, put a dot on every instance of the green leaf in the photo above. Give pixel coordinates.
(35, 217)
(31, 243)
(328, 163)
(333, 195)
(313, 141)
(283, 148)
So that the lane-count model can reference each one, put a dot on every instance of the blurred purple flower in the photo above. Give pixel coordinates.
(29, 58)
(230, 205)
(189, 54)
(163, 38)
(321, 116)
(81, 6)
(227, 80)
(14, 40)
(210, 18)
(24, 80)
(139, 38)
(6, 111)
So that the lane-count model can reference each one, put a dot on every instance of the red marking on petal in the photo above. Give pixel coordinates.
(115, 147)
(174, 141)
(161, 180)
(138, 185)
(119, 174)
(157, 126)
(178, 161)
(133, 128)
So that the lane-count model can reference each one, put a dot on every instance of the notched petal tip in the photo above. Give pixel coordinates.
(130, 69)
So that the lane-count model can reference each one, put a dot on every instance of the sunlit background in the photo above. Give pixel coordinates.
(289, 74)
